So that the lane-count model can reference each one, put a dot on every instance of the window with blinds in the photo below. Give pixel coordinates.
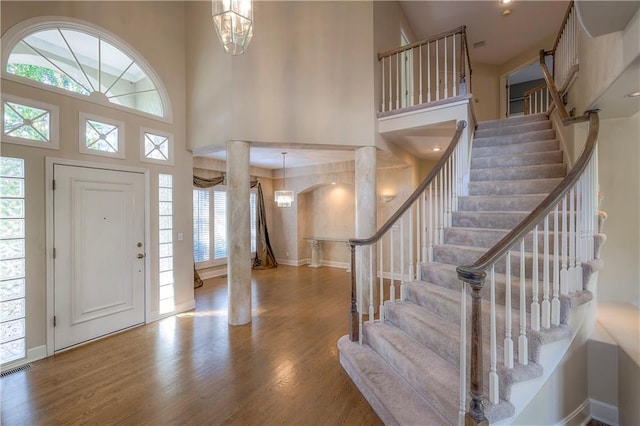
(210, 224)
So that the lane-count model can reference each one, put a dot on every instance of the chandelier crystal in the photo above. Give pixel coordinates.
(284, 198)
(233, 20)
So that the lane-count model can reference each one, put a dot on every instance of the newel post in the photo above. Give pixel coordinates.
(354, 334)
(475, 414)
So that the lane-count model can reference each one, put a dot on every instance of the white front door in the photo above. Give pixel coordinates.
(99, 249)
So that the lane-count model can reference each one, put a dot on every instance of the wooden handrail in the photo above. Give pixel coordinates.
(535, 89)
(553, 91)
(564, 23)
(421, 42)
(419, 190)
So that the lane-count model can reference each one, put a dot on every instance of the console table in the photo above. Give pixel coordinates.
(316, 244)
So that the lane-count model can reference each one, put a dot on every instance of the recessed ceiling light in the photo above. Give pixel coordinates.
(506, 12)
(436, 149)
(505, 1)
(333, 183)
(632, 94)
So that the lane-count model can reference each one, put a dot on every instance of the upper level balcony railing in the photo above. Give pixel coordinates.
(430, 70)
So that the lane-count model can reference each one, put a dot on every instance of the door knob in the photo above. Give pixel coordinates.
(140, 256)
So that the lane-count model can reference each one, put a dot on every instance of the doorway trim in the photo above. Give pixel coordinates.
(50, 162)
(504, 78)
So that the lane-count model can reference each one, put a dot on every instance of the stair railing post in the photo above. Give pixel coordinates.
(475, 414)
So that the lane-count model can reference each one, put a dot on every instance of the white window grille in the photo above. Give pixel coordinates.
(27, 122)
(101, 136)
(165, 261)
(12, 260)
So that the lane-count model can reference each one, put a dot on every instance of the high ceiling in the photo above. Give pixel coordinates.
(504, 37)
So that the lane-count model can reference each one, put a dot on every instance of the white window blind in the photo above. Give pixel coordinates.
(210, 224)
(201, 218)
(219, 224)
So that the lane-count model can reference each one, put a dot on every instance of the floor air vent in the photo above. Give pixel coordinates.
(15, 370)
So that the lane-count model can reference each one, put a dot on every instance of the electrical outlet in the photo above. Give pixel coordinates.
(287, 254)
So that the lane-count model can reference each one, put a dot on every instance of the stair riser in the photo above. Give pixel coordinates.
(462, 256)
(532, 159)
(489, 238)
(499, 220)
(496, 141)
(500, 203)
(512, 130)
(516, 149)
(519, 173)
(513, 121)
(538, 186)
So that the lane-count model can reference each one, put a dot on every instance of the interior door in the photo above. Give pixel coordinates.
(99, 253)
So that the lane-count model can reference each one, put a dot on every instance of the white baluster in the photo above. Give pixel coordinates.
(411, 234)
(428, 72)
(437, 70)
(359, 291)
(421, 76)
(446, 69)
(383, 97)
(392, 286)
(398, 77)
(493, 375)
(508, 341)
(431, 224)
(579, 210)
(546, 306)
(390, 85)
(535, 305)
(402, 243)
(455, 68)
(572, 241)
(523, 347)
(381, 278)
(564, 272)
(418, 231)
(442, 209)
(555, 302)
(423, 229)
(372, 311)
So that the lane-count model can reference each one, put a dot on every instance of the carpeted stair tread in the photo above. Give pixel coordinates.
(504, 203)
(493, 220)
(434, 378)
(532, 186)
(511, 121)
(487, 238)
(512, 130)
(516, 138)
(516, 149)
(522, 159)
(519, 173)
(395, 401)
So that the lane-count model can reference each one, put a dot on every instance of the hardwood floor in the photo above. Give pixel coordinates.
(194, 368)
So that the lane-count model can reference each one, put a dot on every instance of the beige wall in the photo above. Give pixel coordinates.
(307, 78)
(619, 157)
(157, 32)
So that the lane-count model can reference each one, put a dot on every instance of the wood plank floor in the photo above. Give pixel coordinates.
(194, 368)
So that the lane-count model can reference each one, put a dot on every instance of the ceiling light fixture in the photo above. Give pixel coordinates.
(284, 198)
(436, 149)
(506, 12)
(505, 1)
(233, 20)
(633, 94)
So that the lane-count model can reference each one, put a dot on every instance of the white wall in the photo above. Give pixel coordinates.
(307, 77)
(157, 32)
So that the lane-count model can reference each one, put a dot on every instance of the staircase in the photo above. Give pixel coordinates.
(408, 365)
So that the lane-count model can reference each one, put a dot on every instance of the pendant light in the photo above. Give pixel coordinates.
(233, 20)
(284, 198)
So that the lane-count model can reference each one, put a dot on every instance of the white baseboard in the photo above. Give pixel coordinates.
(33, 354)
(604, 412)
(293, 262)
(334, 264)
(213, 273)
(579, 416)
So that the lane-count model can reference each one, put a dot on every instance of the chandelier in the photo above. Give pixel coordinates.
(284, 198)
(233, 20)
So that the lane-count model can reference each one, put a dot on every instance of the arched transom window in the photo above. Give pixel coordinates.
(84, 61)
